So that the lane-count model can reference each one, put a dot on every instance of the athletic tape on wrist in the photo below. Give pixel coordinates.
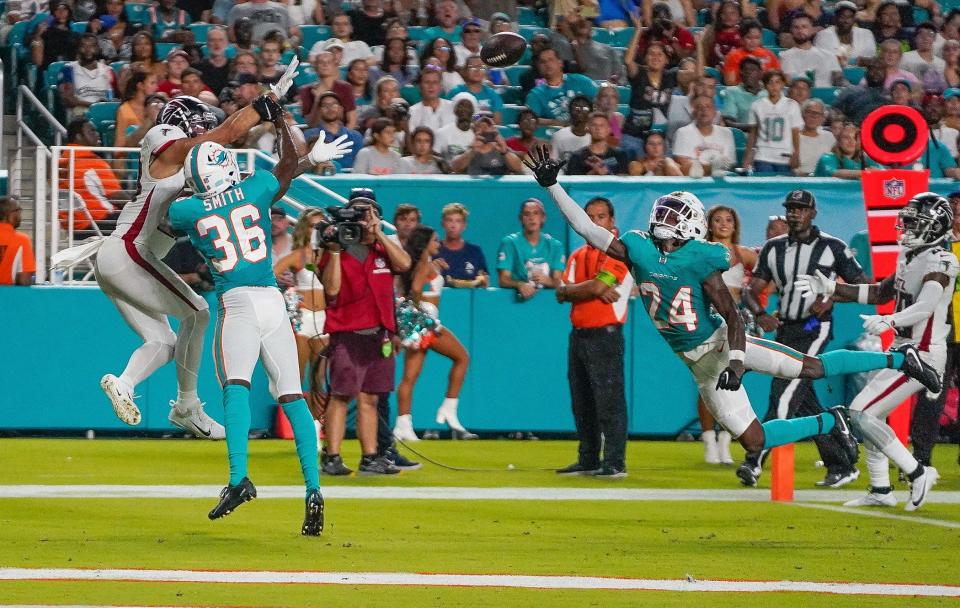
(737, 355)
(863, 294)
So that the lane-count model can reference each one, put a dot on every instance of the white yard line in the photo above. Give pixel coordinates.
(476, 580)
(882, 513)
(442, 493)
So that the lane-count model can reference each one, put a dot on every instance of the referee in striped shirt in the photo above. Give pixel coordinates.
(802, 323)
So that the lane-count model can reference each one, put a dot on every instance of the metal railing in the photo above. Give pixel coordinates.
(3, 138)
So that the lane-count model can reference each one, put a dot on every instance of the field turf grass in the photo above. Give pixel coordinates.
(659, 540)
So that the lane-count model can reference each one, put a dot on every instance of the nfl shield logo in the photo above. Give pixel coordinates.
(893, 188)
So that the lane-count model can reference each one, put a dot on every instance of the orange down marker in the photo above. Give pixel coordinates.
(781, 474)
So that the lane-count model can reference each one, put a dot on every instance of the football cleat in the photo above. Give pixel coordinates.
(121, 398)
(577, 469)
(313, 518)
(749, 474)
(232, 497)
(841, 433)
(195, 421)
(916, 368)
(838, 479)
(920, 488)
(874, 499)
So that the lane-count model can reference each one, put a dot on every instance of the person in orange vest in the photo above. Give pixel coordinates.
(17, 264)
(599, 288)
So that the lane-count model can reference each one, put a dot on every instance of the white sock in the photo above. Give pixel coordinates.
(901, 456)
(450, 403)
(708, 436)
(878, 466)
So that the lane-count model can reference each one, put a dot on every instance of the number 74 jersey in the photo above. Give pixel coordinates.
(670, 285)
(232, 231)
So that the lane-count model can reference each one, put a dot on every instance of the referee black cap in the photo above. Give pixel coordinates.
(800, 198)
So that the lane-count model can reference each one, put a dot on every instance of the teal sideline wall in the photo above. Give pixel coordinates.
(62, 340)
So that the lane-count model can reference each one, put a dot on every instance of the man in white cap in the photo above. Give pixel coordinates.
(845, 40)
(456, 138)
(342, 32)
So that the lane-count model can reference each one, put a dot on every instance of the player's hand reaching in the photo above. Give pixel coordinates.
(283, 85)
(323, 151)
(730, 378)
(817, 284)
(544, 168)
(268, 108)
(877, 324)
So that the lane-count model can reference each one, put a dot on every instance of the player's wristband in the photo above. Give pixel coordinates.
(863, 294)
(607, 278)
(736, 355)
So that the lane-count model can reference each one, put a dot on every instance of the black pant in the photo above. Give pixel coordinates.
(796, 397)
(384, 433)
(595, 373)
(925, 426)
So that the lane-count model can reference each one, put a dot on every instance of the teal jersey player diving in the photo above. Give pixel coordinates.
(670, 285)
(231, 229)
(679, 276)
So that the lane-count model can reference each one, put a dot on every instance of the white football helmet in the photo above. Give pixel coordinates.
(678, 215)
(210, 169)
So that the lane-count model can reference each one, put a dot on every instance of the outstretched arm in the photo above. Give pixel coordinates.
(719, 295)
(864, 293)
(545, 169)
(287, 166)
(921, 309)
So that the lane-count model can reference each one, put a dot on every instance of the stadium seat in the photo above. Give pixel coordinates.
(703, 17)
(769, 38)
(305, 75)
(713, 73)
(200, 32)
(103, 115)
(854, 74)
(509, 113)
(740, 142)
(136, 12)
(825, 94)
(288, 56)
(508, 131)
(160, 49)
(118, 67)
(512, 94)
(313, 34)
(514, 73)
(411, 93)
(527, 16)
(624, 93)
(297, 112)
(528, 31)
(622, 37)
(78, 27)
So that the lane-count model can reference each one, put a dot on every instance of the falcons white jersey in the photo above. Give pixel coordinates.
(140, 217)
(911, 269)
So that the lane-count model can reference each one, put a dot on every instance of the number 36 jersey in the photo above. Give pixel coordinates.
(232, 231)
(670, 285)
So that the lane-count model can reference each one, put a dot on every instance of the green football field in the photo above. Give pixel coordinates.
(123, 523)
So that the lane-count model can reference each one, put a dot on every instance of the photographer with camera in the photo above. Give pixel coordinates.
(489, 154)
(357, 269)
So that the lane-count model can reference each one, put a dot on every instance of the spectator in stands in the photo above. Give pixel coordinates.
(937, 156)
(890, 56)
(650, 91)
(702, 147)
(938, 128)
(422, 159)
(815, 141)
(466, 264)
(216, 67)
(191, 83)
(247, 88)
(439, 52)
(489, 154)
(304, 12)
(406, 217)
(328, 79)
(245, 62)
(804, 57)
(394, 63)
(472, 35)
(267, 16)
(810, 8)
(527, 139)
(550, 99)
(599, 158)
(177, 63)
(723, 35)
(330, 125)
(169, 23)
(845, 41)
(951, 108)
(17, 263)
(386, 89)
(134, 111)
(87, 80)
(676, 40)
(456, 138)
(342, 29)
(432, 110)
(53, 40)
(655, 161)
(921, 60)
(738, 99)
(368, 21)
(607, 101)
(447, 14)
(568, 140)
(901, 93)
(801, 89)
(500, 22)
(531, 259)
(358, 77)
(142, 51)
(751, 34)
(113, 30)
(533, 77)
(856, 102)
(243, 34)
(847, 159)
(399, 113)
(680, 112)
(280, 233)
(379, 158)
(87, 174)
(395, 28)
(951, 59)
(888, 25)
(474, 75)
(773, 145)
(593, 59)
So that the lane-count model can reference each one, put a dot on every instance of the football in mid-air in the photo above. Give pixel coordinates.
(503, 49)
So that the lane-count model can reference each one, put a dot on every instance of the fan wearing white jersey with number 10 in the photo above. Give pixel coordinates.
(144, 289)
(922, 289)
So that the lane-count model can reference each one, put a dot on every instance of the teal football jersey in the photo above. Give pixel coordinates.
(670, 285)
(232, 231)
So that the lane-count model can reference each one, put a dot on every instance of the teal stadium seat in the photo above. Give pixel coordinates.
(509, 113)
(769, 38)
(713, 73)
(297, 112)
(527, 16)
(854, 74)
(161, 49)
(740, 143)
(103, 115)
(200, 32)
(313, 34)
(78, 27)
(624, 93)
(137, 12)
(51, 80)
(411, 93)
(305, 75)
(118, 67)
(511, 94)
(529, 31)
(514, 73)
(825, 94)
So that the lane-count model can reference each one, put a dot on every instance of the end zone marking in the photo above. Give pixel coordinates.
(476, 580)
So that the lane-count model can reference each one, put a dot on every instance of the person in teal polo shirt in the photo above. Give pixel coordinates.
(448, 16)
(937, 157)
(550, 98)
(847, 158)
(531, 259)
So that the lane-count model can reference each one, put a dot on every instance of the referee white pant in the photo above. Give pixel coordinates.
(253, 324)
(732, 409)
(145, 291)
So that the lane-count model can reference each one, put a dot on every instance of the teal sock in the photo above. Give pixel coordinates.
(236, 407)
(782, 432)
(305, 436)
(839, 362)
